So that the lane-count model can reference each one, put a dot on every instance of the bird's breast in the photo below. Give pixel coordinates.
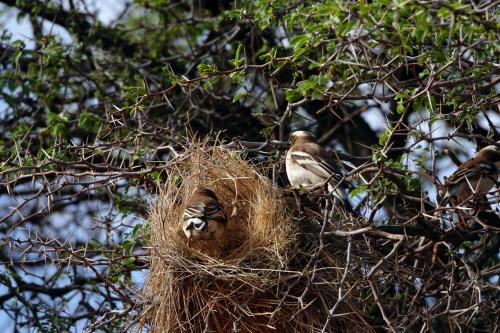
(299, 176)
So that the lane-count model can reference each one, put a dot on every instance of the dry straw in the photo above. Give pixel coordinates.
(253, 280)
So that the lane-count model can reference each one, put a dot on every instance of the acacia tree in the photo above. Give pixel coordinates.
(88, 125)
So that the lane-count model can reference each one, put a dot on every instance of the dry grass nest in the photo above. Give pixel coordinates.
(258, 278)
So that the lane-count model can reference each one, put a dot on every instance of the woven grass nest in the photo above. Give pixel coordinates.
(252, 280)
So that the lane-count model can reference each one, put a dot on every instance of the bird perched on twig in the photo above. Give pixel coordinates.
(477, 175)
(204, 216)
(308, 165)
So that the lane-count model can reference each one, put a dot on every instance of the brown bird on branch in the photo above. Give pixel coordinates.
(475, 176)
(204, 216)
(308, 165)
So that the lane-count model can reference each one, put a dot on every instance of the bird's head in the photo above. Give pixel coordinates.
(194, 228)
(203, 191)
(489, 154)
(196, 223)
(301, 136)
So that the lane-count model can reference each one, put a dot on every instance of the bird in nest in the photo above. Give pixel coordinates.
(308, 165)
(475, 176)
(204, 216)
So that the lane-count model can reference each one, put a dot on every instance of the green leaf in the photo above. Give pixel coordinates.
(155, 176)
(299, 42)
(236, 14)
(306, 86)
(18, 44)
(238, 61)
(237, 96)
(293, 95)
(268, 56)
(358, 190)
(400, 107)
(134, 92)
(57, 123)
(206, 69)
(412, 184)
(89, 121)
(238, 76)
(385, 135)
(167, 70)
(303, 190)
(210, 82)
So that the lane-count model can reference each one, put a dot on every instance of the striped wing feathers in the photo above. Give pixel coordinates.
(209, 209)
(470, 177)
(471, 172)
(312, 158)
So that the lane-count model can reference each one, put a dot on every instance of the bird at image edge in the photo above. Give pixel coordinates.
(477, 175)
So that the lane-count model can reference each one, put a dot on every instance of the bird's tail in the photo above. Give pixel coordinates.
(340, 195)
(443, 201)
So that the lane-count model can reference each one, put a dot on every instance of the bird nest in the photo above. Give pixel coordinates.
(258, 278)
